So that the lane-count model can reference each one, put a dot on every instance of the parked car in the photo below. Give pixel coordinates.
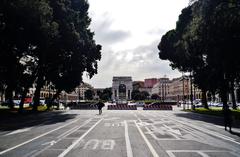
(220, 104)
(198, 104)
(41, 102)
(16, 102)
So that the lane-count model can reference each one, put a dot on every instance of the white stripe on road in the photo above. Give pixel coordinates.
(69, 131)
(18, 131)
(61, 137)
(213, 133)
(128, 144)
(201, 152)
(206, 131)
(21, 144)
(154, 153)
(78, 140)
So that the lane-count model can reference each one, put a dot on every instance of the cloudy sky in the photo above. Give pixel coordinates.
(129, 31)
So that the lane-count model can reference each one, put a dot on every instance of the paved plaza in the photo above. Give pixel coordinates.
(139, 133)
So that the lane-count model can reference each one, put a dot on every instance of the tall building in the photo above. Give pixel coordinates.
(122, 88)
(180, 89)
(150, 82)
(162, 88)
(82, 88)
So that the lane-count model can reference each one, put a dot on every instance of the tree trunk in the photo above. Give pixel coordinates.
(223, 93)
(9, 96)
(22, 100)
(49, 104)
(213, 96)
(36, 97)
(233, 95)
(204, 99)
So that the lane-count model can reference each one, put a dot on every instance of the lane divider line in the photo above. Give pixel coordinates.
(154, 153)
(127, 139)
(62, 137)
(78, 140)
(28, 141)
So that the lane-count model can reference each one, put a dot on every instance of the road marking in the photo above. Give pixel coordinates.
(78, 140)
(108, 144)
(95, 143)
(18, 131)
(63, 136)
(213, 133)
(128, 144)
(201, 152)
(206, 131)
(30, 153)
(51, 143)
(70, 130)
(154, 153)
(19, 145)
(175, 131)
(120, 124)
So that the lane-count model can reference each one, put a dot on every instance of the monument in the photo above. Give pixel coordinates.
(122, 88)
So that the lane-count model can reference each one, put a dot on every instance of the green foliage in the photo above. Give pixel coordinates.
(89, 94)
(216, 112)
(106, 94)
(137, 95)
(205, 42)
(45, 41)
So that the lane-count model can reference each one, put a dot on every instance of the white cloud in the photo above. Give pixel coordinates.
(129, 31)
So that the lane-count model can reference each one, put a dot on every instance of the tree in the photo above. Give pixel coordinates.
(21, 21)
(137, 95)
(106, 94)
(57, 38)
(182, 49)
(204, 43)
(88, 94)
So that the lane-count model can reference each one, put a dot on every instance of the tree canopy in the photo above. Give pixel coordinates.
(205, 42)
(45, 41)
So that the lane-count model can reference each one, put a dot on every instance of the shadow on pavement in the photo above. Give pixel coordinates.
(206, 118)
(13, 121)
(235, 133)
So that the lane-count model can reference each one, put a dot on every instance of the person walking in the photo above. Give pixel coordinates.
(100, 105)
(227, 113)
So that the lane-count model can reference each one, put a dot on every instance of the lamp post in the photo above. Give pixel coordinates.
(183, 93)
(191, 95)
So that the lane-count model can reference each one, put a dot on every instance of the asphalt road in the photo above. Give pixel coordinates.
(138, 133)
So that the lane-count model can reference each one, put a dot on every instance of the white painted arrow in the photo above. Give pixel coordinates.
(50, 143)
(18, 131)
(175, 131)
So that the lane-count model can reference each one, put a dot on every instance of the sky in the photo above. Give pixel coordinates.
(129, 32)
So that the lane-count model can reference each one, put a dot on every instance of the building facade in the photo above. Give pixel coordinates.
(82, 88)
(180, 89)
(122, 88)
(162, 88)
(150, 82)
(76, 95)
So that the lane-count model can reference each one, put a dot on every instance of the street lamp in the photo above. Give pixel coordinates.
(191, 95)
(183, 97)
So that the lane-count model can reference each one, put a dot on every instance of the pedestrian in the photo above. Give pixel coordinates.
(227, 113)
(100, 105)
